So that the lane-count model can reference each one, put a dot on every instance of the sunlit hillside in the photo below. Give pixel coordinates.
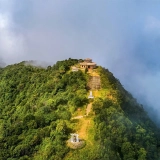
(41, 107)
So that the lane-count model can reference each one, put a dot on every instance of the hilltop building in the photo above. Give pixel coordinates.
(88, 64)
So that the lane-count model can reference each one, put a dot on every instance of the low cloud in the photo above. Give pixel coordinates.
(11, 43)
(40, 64)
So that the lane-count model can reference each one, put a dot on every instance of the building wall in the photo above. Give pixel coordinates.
(88, 66)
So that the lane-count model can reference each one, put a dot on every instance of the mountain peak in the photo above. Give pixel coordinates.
(42, 108)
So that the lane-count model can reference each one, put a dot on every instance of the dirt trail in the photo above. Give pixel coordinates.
(78, 117)
(84, 123)
(88, 108)
(84, 127)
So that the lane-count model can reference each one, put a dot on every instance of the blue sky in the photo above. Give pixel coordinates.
(122, 35)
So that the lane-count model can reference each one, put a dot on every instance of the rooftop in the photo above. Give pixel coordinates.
(88, 63)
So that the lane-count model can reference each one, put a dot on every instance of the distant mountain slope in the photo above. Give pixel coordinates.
(38, 106)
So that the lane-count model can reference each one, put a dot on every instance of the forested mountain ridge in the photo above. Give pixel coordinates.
(37, 106)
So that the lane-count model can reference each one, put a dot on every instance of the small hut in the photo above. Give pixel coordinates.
(88, 64)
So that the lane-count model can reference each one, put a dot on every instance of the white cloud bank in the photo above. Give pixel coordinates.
(11, 42)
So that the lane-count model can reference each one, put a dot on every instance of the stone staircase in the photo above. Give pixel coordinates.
(94, 83)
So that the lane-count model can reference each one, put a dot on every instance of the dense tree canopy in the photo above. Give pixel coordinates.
(36, 106)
